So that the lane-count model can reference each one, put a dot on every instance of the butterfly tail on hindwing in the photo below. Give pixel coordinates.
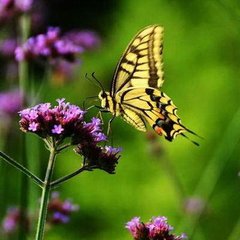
(168, 123)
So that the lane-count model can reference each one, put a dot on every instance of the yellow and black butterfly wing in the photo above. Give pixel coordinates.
(133, 118)
(154, 107)
(141, 65)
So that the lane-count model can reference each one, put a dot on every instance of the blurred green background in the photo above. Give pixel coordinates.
(153, 177)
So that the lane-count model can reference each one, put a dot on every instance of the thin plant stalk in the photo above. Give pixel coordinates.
(46, 194)
(21, 168)
(57, 182)
(23, 85)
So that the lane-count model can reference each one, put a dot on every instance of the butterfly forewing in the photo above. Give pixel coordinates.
(141, 64)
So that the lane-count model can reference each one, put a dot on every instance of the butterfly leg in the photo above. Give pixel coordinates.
(109, 125)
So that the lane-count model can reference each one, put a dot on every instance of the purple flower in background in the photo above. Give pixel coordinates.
(156, 229)
(53, 45)
(194, 205)
(10, 102)
(10, 8)
(7, 47)
(11, 221)
(59, 211)
(86, 39)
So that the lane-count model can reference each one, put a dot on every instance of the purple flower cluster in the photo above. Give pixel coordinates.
(59, 211)
(60, 121)
(156, 229)
(86, 39)
(54, 46)
(10, 102)
(11, 221)
(10, 8)
(105, 158)
(67, 121)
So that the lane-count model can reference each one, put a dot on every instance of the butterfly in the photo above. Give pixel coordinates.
(135, 93)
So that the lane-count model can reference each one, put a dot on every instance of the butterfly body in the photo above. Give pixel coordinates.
(135, 93)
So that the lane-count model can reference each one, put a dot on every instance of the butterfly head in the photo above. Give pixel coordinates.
(105, 99)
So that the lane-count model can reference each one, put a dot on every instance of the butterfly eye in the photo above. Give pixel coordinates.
(103, 95)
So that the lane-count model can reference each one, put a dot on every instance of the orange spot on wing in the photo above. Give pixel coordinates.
(158, 130)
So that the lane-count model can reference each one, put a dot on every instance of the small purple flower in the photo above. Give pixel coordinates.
(94, 127)
(58, 217)
(57, 129)
(112, 150)
(157, 228)
(59, 211)
(33, 127)
(137, 228)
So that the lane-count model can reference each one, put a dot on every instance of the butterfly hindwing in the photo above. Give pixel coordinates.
(154, 107)
(141, 64)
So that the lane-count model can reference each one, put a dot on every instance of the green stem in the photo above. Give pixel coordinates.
(67, 177)
(45, 195)
(24, 26)
(21, 168)
(23, 66)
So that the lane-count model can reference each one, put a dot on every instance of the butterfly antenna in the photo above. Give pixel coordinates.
(99, 83)
(96, 82)
(90, 80)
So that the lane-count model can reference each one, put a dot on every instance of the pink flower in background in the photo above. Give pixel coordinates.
(7, 47)
(59, 211)
(10, 222)
(53, 45)
(10, 102)
(10, 8)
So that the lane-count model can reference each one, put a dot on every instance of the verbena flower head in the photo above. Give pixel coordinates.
(59, 211)
(105, 158)
(67, 121)
(137, 228)
(11, 221)
(156, 229)
(10, 102)
(44, 120)
(53, 45)
(86, 39)
(10, 8)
